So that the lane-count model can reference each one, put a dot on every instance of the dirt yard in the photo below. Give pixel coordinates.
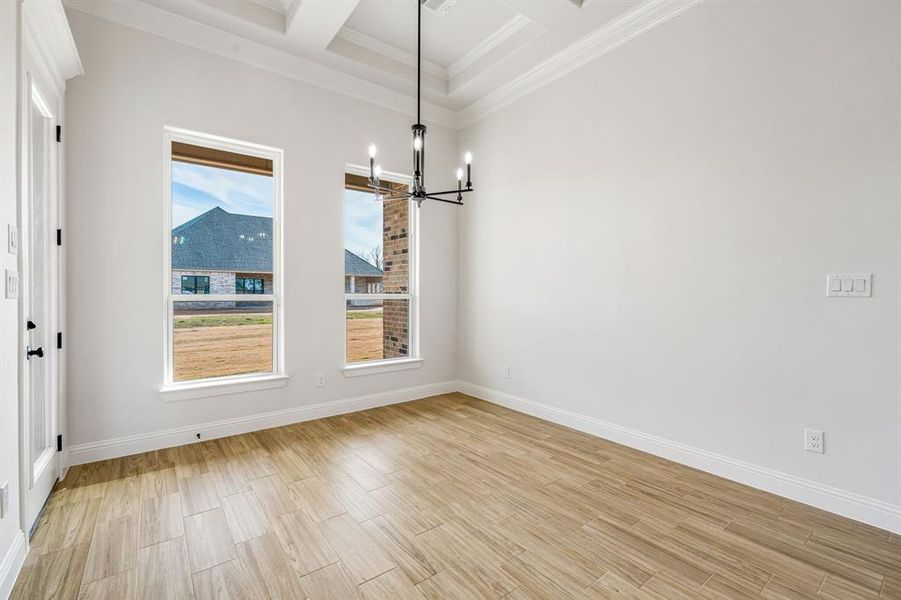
(237, 344)
(364, 339)
(218, 350)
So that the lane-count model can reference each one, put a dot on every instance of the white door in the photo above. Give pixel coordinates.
(39, 414)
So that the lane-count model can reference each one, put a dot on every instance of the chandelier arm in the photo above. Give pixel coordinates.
(431, 197)
(404, 196)
(386, 190)
(463, 191)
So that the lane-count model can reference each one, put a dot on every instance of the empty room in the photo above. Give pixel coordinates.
(450, 299)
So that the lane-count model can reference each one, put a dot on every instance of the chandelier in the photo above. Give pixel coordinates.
(418, 190)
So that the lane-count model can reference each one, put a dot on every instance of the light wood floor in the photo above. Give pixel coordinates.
(447, 497)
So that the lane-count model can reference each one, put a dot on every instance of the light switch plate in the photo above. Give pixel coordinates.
(12, 239)
(12, 284)
(849, 285)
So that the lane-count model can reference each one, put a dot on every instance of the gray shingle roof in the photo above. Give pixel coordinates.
(354, 265)
(221, 241)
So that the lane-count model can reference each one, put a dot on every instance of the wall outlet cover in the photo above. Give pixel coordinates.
(814, 441)
(320, 380)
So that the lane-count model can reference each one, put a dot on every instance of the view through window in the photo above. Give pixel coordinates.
(378, 263)
(222, 248)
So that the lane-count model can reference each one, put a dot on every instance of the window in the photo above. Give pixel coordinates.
(223, 220)
(195, 284)
(248, 285)
(379, 274)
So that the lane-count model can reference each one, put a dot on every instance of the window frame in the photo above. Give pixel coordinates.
(182, 390)
(413, 358)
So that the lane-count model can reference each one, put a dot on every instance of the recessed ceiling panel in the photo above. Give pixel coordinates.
(446, 34)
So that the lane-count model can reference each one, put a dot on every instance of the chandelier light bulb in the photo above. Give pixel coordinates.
(459, 174)
(378, 171)
(372, 150)
(468, 158)
(417, 143)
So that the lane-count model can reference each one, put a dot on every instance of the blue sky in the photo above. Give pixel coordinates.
(196, 189)
(362, 223)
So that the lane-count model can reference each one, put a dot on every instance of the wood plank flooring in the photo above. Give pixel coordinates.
(447, 497)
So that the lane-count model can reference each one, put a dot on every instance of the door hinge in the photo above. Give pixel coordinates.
(59, 237)
(59, 340)
(59, 443)
(59, 133)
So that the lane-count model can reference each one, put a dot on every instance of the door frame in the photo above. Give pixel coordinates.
(36, 82)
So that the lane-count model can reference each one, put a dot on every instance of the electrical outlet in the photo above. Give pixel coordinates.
(506, 371)
(814, 440)
(320, 379)
(12, 284)
(4, 499)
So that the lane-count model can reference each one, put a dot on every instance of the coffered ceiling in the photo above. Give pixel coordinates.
(478, 55)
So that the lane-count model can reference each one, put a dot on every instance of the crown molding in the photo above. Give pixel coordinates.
(150, 19)
(379, 47)
(491, 42)
(49, 39)
(617, 32)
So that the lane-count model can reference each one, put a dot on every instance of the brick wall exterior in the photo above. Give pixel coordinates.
(396, 268)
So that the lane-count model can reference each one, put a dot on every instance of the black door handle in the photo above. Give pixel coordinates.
(38, 352)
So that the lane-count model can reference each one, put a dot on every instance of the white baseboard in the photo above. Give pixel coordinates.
(854, 506)
(168, 438)
(12, 564)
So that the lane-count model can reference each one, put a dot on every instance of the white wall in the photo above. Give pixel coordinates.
(10, 529)
(650, 237)
(136, 83)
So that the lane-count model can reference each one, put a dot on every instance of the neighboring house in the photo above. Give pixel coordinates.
(223, 253)
(361, 277)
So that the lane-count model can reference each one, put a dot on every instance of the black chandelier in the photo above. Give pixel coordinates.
(418, 191)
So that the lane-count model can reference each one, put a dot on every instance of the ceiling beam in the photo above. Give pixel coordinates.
(312, 24)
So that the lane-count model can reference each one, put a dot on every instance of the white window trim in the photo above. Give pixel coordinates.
(414, 360)
(175, 391)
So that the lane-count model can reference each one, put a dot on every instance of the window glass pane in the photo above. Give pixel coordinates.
(215, 339)
(376, 244)
(221, 221)
(377, 329)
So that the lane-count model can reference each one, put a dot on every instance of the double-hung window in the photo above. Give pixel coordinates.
(222, 242)
(380, 269)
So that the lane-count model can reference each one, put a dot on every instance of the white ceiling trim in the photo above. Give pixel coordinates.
(165, 24)
(379, 47)
(592, 46)
(487, 45)
(50, 40)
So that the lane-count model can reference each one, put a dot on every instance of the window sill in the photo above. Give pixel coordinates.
(176, 392)
(382, 366)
